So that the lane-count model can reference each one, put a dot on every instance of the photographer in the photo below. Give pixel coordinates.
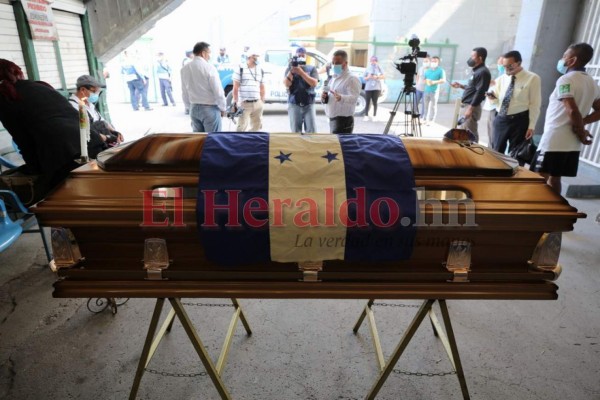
(301, 79)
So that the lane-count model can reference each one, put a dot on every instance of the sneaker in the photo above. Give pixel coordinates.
(165, 105)
(365, 118)
(149, 109)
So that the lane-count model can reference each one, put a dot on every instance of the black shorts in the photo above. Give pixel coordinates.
(556, 163)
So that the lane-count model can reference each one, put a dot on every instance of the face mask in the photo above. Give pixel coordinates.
(426, 64)
(471, 63)
(93, 98)
(434, 65)
(337, 69)
(561, 67)
(501, 69)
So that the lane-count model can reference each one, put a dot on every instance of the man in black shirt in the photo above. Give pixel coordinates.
(474, 93)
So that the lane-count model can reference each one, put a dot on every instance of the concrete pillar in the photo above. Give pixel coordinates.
(546, 28)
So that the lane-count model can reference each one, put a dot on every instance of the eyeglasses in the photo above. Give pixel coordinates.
(510, 67)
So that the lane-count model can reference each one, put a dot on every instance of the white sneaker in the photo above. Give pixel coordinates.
(365, 118)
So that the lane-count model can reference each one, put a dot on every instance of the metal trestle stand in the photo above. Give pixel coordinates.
(447, 339)
(152, 342)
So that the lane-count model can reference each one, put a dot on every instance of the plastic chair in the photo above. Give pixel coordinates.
(16, 219)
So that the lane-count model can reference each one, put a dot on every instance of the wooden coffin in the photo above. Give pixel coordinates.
(101, 203)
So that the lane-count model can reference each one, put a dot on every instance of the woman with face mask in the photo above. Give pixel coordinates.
(373, 77)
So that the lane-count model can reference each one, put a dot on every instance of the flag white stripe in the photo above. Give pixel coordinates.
(306, 177)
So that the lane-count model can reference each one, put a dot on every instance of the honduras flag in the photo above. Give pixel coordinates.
(294, 198)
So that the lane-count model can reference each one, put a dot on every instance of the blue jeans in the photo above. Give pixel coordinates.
(298, 115)
(137, 89)
(420, 103)
(205, 118)
(166, 90)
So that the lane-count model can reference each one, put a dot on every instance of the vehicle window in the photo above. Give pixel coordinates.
(281, 59)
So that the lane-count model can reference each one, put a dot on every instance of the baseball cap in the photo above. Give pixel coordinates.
(87, 80)
(301, 50)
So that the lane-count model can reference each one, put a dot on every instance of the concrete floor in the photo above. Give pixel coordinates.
(302, 349)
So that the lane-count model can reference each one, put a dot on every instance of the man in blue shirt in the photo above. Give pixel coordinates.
(434, 77)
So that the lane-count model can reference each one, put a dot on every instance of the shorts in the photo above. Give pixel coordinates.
(556, 163)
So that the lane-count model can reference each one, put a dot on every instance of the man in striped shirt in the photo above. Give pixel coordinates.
(249, 92)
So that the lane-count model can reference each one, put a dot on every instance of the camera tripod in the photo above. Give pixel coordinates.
(412, 122)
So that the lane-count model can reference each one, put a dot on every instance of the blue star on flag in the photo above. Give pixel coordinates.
(330, 156)
(283, 157)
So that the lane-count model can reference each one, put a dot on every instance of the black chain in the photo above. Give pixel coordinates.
(397, 305)
(427, 374)
(208, 304)
(153, 371)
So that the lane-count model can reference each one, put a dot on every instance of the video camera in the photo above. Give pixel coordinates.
(407, 65)
(297, 61)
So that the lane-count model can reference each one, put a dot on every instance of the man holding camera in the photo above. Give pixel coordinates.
(341, 94)
(301, 79)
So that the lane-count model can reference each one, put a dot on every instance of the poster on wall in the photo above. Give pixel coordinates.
(41, 20)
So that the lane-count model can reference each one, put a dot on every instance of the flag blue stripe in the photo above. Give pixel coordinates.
(234, 161)
(379, 164)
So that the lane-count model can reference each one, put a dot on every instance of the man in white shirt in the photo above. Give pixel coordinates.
(574, 96)
(202, 91)
(519, 96)
(340, 99)
(249, 92)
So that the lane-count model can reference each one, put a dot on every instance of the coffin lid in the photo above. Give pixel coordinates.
(167, 152)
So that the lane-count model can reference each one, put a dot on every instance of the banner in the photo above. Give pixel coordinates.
(41, 20)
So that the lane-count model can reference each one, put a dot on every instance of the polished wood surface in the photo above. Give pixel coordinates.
(102, 204)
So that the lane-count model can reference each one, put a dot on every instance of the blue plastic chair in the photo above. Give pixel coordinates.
(15, 220)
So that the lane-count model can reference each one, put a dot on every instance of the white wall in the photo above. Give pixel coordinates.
(469, 23)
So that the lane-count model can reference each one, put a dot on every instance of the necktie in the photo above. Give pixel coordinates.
(507, 96)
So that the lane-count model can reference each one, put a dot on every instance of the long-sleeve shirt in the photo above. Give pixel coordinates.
(200, 84)
(527, 94)
(479, 83)
(348, 86)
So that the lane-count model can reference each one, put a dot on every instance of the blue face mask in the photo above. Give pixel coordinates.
(93, 98)
(501, 69)
(337, 69)
(561, 67)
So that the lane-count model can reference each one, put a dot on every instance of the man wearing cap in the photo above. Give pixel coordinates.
(249, 92)
(301, 79)
(223, 56)
(202, 91)
(103, 134)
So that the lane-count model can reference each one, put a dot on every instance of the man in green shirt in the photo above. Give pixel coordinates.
(434, 76)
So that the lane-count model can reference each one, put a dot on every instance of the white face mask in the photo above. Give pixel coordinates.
(434, 65)
(426, 64)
